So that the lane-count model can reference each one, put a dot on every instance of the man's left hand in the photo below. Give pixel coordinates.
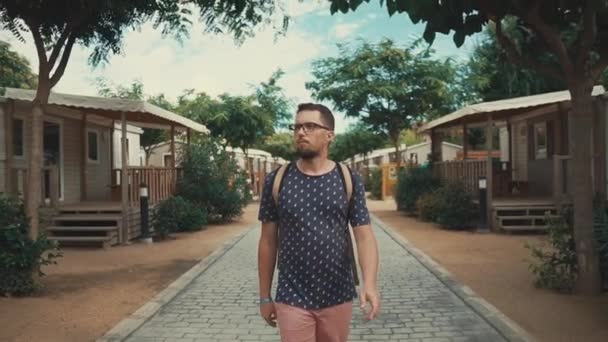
(372, 297)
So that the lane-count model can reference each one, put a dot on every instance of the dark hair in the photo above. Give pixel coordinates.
(326, 115)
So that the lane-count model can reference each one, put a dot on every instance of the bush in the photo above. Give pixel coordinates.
(411, 184)
(555, 266)
(375, 183)
(427, 206)
(211, 179)
(600, 227)
(175, 214)
(20, 256)
(455, 206)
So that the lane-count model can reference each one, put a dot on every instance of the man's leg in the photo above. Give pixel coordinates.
(333, 323)
(295, 324)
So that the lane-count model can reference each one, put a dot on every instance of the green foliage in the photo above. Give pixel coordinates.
(390, 88)
(455, 206)
(239, 120)
(555, 264)
(600, 228)
(272, 99)
(15, 70)
(494, 77)
(409, 137)
(211, 179)
(20, 256)
(412, 183)
(176, 214)
(360, 139)
(279, 145)
(427, 206)
(375, 183)
(100, 24)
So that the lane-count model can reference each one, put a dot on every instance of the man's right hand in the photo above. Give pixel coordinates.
(269, 313)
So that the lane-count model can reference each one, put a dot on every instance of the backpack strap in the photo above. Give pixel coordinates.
(277, 182)
(347, 181)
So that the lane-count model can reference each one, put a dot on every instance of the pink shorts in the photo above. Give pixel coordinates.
(330, 324)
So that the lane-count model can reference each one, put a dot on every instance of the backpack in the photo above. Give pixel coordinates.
(347, 181)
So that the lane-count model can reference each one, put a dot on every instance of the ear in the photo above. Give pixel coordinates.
(331, 135)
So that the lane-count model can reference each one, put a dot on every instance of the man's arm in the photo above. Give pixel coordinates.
(267, 255)
(367, 248)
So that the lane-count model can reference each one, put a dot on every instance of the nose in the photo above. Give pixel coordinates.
(300, 132)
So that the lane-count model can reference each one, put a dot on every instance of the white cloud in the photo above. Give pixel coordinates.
(342, 31)
(207, 63)
(299, 8)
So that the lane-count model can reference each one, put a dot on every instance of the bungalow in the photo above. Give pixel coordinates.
(527, 161)
(93, 199)
(416, 154)
(257, 163)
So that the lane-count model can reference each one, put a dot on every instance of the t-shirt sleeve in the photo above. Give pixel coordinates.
(358, 213)
(268, 209)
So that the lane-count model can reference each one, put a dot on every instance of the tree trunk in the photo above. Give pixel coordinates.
(589, 279)
(34, 174)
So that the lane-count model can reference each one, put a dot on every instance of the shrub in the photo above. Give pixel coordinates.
(600, 227)
(412, 183)
(427, 206)
(175, 214)
(455, 206)
(375, 183)
(555, 266)
(21, 257)
(211, 179)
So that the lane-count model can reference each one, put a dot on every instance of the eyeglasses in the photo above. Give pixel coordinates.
(307, 127)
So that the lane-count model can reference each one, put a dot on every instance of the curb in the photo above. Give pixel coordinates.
(506, 327)
(129, 325)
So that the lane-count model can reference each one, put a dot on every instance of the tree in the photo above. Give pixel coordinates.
(271, 98)
(150, 137)
(358, 140)
(241, 122)
(390, 88)
(409, 137)
(568, 42)
(238, 120)
(56, 26)
(15, 70)
(279, 145)
(494, 77)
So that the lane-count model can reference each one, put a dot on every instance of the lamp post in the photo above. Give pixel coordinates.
(483, 205)
(144, 212)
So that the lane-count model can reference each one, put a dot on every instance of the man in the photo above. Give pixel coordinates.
(307, 231)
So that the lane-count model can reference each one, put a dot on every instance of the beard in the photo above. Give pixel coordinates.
(307, 154)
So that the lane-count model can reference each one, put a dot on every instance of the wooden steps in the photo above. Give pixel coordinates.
(87, 226)
(81, 228)
(522, 216)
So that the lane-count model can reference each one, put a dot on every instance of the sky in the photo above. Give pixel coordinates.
(215, 64)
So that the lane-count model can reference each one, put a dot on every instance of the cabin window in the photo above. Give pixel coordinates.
(540, 140)
(93, 146)
(18, 133)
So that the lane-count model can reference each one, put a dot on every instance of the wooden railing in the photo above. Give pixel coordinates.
(466, 171)
(160, 181)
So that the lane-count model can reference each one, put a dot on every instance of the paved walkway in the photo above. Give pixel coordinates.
(420, 303)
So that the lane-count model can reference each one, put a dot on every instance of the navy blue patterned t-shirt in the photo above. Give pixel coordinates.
(314, 263)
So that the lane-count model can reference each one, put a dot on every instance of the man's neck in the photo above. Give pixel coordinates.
(315, 166)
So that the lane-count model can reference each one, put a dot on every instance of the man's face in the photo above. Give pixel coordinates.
(311, 135)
